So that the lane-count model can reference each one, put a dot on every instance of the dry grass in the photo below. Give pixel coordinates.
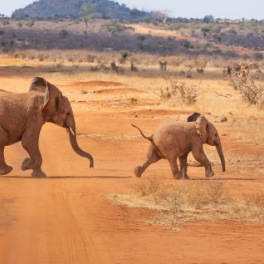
(192, 201)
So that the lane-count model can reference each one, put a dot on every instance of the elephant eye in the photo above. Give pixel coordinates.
(57, 103)
(215, 135)
(68, 114)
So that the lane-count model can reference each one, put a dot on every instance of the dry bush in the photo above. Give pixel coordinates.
(116, 68)
(199, 195)
(250, 209)
(188, 94)
(145, 188)
(163, 65)
(200, 65)
(133, 67)
(176, 61)
(252, 91)
(189, 201)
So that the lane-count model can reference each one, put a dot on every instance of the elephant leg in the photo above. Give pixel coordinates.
(172, 158)
(174, 168)
(152, 157)
(4, 168)
(183, 166)
(30, 144)
(199, 155)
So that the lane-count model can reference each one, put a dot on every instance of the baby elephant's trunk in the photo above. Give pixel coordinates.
(221, 155)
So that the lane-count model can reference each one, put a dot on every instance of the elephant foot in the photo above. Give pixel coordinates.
(25, 164)
(186, 177)
(38, 174)
(5, 170)
(177, 176)
(138, 172)
(180, 177)
(209, 174)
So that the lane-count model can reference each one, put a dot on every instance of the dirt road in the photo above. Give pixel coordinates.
(66, 218)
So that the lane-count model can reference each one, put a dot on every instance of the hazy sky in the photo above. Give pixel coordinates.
(176, 8)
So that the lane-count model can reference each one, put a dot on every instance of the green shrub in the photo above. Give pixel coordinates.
(232, 32)
(124, 54)
(5, 22)
(64, 33)
(205, 30)
(187, 44)
(258, 55)
(115, 27)
(30, 23)
(20, 24)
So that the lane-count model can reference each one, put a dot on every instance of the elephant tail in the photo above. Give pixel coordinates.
(152, 142)
(148, 138)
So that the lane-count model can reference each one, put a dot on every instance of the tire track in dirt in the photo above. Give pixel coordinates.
(47, 229)
(72, 226)
(67, 227)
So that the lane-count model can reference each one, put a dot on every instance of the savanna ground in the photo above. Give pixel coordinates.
(107, 215)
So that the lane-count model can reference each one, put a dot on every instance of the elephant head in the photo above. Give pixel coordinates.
(57, 109)
(209, 134)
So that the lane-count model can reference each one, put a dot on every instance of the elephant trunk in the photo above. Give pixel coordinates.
(221, 154)
(76, 148)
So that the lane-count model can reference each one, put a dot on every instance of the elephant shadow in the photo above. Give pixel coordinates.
(53, 177)
(223, 179)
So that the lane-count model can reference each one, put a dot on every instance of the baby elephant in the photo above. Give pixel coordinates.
(174, 140)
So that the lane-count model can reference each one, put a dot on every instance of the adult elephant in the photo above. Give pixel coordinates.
(174, 140)
(22, 117)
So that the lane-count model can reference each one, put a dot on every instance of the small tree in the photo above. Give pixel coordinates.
(88, 12)
(124, 55)
(205, 30)
(208, 19)
(162, 16)
(135, 13)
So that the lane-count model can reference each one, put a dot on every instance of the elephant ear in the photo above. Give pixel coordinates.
(201, 128)
(38, 84)
(52, 95)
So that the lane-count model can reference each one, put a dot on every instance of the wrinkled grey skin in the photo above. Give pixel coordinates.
(174, 140)
(22, 117)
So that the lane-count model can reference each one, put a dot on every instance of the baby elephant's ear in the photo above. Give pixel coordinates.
(201, 127)
(40, 85)
(193, 117)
